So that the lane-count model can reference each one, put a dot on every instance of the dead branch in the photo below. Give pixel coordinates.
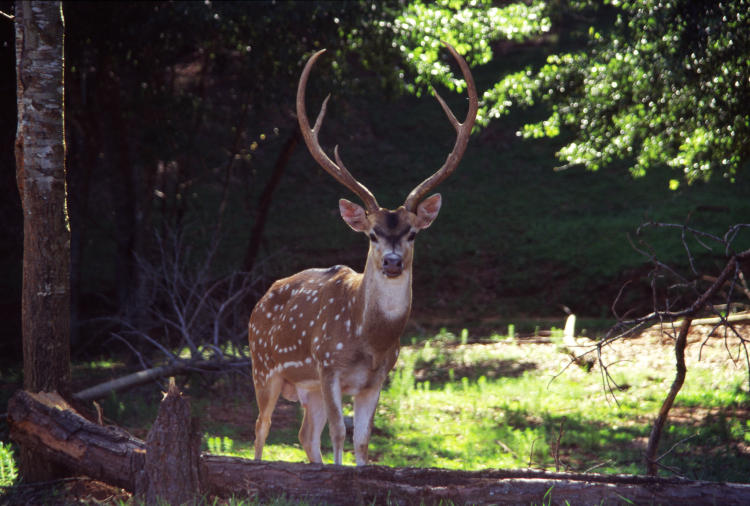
(183, 307)
(154, 373)
(661, 419)
(680, 304)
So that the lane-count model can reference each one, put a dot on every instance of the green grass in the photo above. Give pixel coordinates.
(498, 406)
(514, 419)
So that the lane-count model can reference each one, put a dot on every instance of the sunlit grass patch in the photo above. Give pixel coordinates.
(463, 407)
(511, 404)
(278, 451)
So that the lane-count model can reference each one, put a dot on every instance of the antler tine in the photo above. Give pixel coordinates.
(463, 131)
(337, 170)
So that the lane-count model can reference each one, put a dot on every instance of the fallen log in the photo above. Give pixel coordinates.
(47, 424)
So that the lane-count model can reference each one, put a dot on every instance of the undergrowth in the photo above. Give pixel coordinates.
(8, 466)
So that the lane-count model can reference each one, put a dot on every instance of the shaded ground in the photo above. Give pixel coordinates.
(77, 490)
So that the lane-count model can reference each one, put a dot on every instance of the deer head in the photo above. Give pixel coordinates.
(381, 225)
(322, 333)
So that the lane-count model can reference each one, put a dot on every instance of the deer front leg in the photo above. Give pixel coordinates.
(312, 423)
(364, 410)
(332, 398)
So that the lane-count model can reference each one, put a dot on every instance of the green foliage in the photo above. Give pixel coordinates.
(666, 84)
(8, 467)
(470, 26)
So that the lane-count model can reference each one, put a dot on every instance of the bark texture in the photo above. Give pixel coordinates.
(47, 423)
(40, 173)
(173, 450)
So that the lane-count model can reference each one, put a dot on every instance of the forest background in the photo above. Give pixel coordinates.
(183, 152)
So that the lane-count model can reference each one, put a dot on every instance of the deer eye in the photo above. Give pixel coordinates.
(373, 237)
(411, 236)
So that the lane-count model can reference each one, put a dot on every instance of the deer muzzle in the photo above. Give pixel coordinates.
(393, 265)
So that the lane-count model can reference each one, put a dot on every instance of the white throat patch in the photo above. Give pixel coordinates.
(393, 296)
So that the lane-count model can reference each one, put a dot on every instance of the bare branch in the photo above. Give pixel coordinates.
(186, 307)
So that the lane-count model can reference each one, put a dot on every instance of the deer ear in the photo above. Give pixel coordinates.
(354, 216)
(427, 211)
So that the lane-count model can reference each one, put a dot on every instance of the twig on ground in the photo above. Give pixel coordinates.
(557, 445)
(596, 466)
(672, 448)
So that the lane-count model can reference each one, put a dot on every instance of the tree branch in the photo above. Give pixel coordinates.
(147, 375)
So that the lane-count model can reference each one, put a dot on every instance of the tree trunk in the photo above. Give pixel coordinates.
(40, 174)
(173, 449)
(264, 203)
(47, 423)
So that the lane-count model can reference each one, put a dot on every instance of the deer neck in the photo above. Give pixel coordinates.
(385, 305)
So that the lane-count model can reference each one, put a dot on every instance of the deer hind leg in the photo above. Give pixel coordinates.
(332, 397)
(364, 409)
(312, 423)
(266, 395)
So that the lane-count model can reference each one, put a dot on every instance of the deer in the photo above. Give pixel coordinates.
(324, 333)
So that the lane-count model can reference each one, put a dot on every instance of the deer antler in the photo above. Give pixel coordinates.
(337, 169)
(463, 131)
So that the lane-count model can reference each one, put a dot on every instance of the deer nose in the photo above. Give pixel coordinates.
(393, 265)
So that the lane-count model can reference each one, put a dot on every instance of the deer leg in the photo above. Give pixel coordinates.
(332, 398)
(312, 424)
(266, 395)
(364, 410)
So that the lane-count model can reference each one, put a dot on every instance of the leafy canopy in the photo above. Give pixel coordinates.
(667, 83)
(469, 26)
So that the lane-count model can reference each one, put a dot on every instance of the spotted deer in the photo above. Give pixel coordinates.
(324, 333)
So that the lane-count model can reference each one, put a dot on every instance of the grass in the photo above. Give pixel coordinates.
(514, 419)
(8, 466)
(501, 405)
